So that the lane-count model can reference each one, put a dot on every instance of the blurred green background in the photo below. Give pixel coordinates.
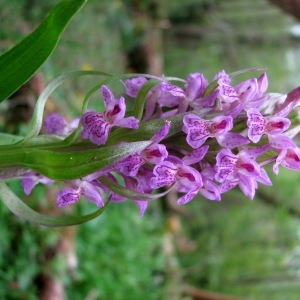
(235, 248)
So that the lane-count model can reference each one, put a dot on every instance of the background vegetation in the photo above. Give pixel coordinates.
(247, 249)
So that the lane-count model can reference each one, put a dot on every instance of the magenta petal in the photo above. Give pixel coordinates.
(169, 94)
(55, 124)
(131, 164)
(196, 129)
(256, 123)
(253, 152)
(133, 85)
(279, 160)
(231, 140)
(247, 167)
(143, 205)
(67, 197)
(280, 141)
(28, 183)
(263, 177)
(247, 90)
(108, 96)
(195, 156)
(91, 193)
(292, 99)
(227, 93)
(188, 178)
(130, 122)
(220, 125)
(247, 185)
(225, 166)
(115, 111)
(164, 173)
(95, 128)
(292, 159)
(222, 77)
(155, 153)
(276, 125)
(227, 186)
(195, 85)
(210, 190)
(162, 132)
(262, 83)
(187, 197)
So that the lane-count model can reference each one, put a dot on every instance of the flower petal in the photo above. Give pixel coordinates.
(108, 96)
(133, 85)
(280, 141)
(67, 197)
(91, 193)
(256, 124)
(231, 140)
(165, 174)
(225, 165)
(195, 156)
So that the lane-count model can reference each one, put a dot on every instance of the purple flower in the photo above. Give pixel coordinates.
(229, 165)
(259, 125)
(232, 170)
(90, 190)
(291, 100)
(164, 94)
(155, 153)
(288, 158)
(188, 179)
(195, 85)
(199, 130)
(141, 184)
(96, 126)
(56, 124)
(133, 85)
(30, 179)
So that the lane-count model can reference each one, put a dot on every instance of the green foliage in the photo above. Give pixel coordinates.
(120, 255)
(22, 61)
(22, 255)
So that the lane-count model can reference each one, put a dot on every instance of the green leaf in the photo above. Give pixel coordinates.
(68, 163)
(6, 138)
(22, 210)
(19, 63)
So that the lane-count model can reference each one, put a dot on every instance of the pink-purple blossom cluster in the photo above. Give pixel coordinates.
(229, 132)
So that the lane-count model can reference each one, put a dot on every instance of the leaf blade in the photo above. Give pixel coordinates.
(22, 210)
(18, 64)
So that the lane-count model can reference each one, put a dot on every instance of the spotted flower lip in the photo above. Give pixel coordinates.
(96, 126)
(228, 165)
(199, 130)
(188, 179)
(90, 190)
(259, 125)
